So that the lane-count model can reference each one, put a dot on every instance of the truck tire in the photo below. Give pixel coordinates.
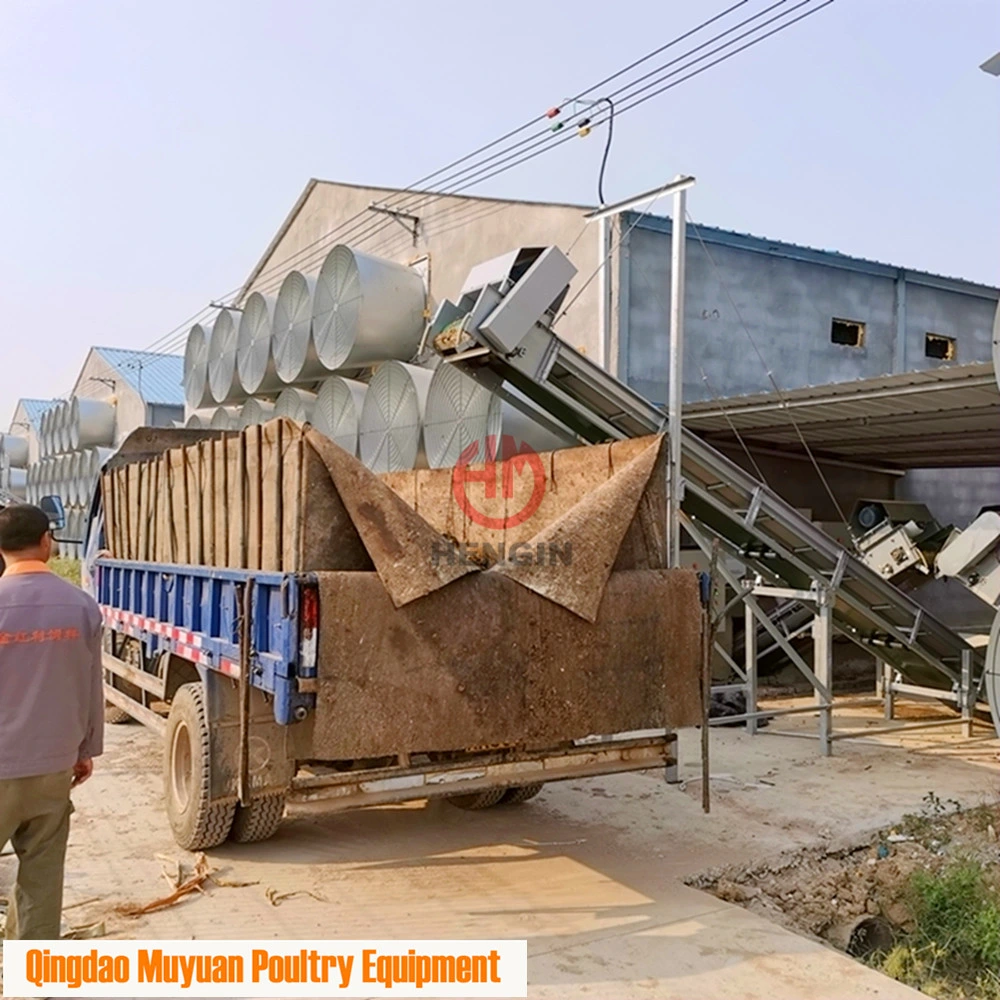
(520, 793)
(478, 800)
(259, 820)
(197, 822)
(115, 716)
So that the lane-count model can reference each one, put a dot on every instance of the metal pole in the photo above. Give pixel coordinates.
(888, 695)
(604, 291)
(750, 664)
(823, 667)
(676, 388)
(967, 693)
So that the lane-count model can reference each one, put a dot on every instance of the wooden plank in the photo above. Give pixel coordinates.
(154, 477)
(254, 523)
(271, 439)
(178, 506)
(192, 473)
(108, 502)
(207, 466)
(142, 532)
(146, 716)
(163, 526)
(133, 511)
(236, 495)
(220, 504)
(148, 682)
(121, 507)
(291, 498)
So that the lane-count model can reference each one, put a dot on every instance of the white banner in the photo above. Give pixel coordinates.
(266, 968)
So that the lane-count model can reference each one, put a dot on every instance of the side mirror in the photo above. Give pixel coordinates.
(54, 510)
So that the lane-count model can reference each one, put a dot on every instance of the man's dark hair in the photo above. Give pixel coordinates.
(22, 526)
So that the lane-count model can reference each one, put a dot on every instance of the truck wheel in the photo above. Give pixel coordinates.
(259, 820)
(478, 800)
(197, 822)
(520, 793)
(115, 716)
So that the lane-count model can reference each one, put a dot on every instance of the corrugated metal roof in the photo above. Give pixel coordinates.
(813, 255)
(158, 378)
(947, 416)
(34, 408)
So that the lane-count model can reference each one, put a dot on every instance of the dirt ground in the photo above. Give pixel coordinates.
(825, 893)
(591, 872)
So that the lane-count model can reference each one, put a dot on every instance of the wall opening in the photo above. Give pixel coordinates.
(940, 348)
(848, 332)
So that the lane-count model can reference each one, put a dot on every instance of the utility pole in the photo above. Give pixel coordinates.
(675, 395)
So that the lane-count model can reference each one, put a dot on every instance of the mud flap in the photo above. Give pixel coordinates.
(270, 766)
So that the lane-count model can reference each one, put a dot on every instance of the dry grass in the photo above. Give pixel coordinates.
(68, 569)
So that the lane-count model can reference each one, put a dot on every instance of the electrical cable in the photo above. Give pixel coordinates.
(772, 380)
(428, 177)
(607, 149)
(369, 228)
(364, 231)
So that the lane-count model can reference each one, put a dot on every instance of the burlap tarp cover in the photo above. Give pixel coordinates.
(433, 651)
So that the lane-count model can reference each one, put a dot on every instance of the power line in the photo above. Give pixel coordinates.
(502, 161)
(490, 145)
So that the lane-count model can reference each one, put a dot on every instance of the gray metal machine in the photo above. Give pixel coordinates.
(500, 333)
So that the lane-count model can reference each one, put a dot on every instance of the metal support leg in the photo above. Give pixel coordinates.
(823, 668)
(671, 773)
(750, 664)
(888, 696)
(967, 693)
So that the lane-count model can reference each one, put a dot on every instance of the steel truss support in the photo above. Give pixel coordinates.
(820, 675)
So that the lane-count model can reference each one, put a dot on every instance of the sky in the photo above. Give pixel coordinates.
(150, 150)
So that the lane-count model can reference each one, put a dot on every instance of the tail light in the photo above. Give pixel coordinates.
(308, 631)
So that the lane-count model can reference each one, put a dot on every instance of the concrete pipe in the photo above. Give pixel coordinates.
(223, 380)
(390, 435)
(197, 392)
(16, 450)
(225, 418)
(338, 411)
(366, 310)
(296, 404)
(198, 421)
(255, 411)
(255, 348)
(295, 358)
(91, 423)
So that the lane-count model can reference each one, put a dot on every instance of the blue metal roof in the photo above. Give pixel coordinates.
(34, 408)
(158, 378)
(794, 251)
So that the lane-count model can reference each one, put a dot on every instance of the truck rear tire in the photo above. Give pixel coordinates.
(520, 793)
(115, 716)
(197, 822)
(259, 820)
(478, 800)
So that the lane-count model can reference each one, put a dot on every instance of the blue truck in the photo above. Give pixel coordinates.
(277, 688)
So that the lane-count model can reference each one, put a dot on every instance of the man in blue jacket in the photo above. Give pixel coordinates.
(51, 715)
